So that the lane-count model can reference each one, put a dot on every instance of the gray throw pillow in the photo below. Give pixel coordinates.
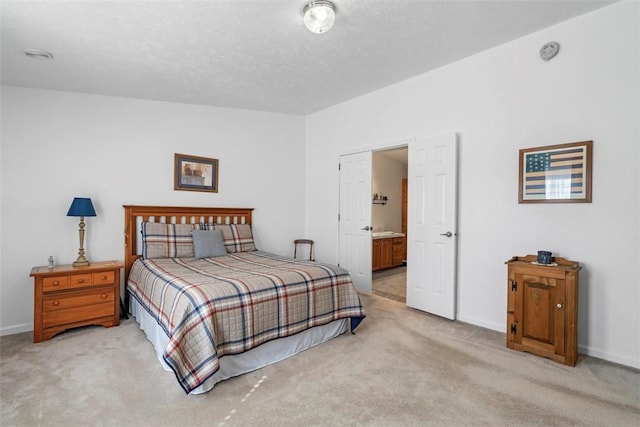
(208, 243)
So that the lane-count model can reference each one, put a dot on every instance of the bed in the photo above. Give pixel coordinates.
(214, 306)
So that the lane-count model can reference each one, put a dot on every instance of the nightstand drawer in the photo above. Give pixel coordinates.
(80, 280)
(63, 302)
(104, 278)
(55, 283)
(73, 308)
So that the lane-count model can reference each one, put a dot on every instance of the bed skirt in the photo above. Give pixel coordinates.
(234, 365)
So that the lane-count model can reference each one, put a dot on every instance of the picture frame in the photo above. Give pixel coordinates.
(193, 173)
(556, 173)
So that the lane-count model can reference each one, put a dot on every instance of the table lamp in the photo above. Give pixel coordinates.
(81, 206)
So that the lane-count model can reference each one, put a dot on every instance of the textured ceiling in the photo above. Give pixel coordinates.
(254, 54)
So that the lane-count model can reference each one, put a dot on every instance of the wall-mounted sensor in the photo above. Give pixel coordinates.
(549, 50)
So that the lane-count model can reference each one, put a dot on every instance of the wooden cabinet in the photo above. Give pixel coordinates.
(397, 251)
(387, 253)
(376, 258)
(542, 308)
(67, 297)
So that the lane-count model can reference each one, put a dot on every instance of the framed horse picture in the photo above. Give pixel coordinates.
(194, 173)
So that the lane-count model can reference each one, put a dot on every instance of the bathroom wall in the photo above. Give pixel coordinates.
(387, 175)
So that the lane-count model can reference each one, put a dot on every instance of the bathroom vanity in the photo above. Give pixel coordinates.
(388, 250)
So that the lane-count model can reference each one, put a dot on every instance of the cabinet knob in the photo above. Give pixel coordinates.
(81, 280)
(103, 277)
(56, 303)
(559, 305)
(104, 296)
(56, 283)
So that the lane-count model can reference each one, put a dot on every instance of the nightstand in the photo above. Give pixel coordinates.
(67, 297)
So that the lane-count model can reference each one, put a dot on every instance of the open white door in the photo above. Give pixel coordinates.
(431, 233)
(355, 218)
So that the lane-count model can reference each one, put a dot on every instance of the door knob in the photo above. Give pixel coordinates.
(366, 228)
(448, 234)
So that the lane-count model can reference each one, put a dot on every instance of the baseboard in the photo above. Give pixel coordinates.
(586, 350)
(17, 329)
(500, 327)
(613, 358)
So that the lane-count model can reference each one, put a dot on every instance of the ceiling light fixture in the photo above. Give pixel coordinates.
(319, 16)
(38, 54)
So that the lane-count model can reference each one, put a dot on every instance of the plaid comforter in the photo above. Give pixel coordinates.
(214, 307)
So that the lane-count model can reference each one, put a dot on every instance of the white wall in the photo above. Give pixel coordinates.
(500, 101)
(57, 145)
(386, 179)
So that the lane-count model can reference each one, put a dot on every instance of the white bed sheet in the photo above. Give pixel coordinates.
(256, 358)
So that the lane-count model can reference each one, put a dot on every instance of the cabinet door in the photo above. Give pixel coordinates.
(386, 253)
(398, 251)
(376, 255)
(540, 314)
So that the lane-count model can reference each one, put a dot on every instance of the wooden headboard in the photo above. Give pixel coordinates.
(134, 215)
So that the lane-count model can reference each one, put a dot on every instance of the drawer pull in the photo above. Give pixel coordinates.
(56, 303)
(81, 280)
(103, 277)
(56, 283)
(104, 296)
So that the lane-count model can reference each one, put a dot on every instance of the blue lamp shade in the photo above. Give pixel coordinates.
(81, 206)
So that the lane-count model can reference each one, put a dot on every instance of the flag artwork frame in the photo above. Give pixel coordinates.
(556, 173)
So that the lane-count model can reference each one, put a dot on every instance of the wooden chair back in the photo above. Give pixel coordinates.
(303, 243)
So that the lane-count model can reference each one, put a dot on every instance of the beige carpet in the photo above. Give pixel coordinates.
(402, 368)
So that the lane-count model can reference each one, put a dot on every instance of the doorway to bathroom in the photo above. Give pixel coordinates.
(389, 223)
(431, 236)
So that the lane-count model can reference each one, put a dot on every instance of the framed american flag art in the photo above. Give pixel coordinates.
(556, 173)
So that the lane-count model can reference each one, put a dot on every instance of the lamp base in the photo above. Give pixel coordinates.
(81, 262)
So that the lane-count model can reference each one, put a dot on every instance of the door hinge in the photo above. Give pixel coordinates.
(339, 166)
(338, 216)
(514, 286)
(513, 328)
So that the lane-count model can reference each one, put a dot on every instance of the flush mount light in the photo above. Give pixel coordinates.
(38, 54)
(319, 16)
